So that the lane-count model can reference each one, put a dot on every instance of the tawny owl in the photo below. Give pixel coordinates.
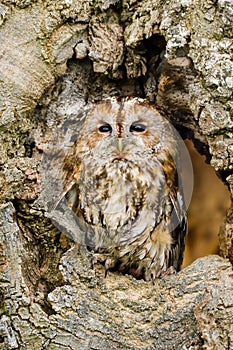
(124, 186)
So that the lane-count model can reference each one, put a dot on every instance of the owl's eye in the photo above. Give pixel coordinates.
(105, 128)
(137, 127)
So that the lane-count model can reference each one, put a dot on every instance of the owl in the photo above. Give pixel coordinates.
(122, 181)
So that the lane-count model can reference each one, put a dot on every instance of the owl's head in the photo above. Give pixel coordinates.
(127, 129)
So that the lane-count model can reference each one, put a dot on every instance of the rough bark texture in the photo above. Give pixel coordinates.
(57, 58)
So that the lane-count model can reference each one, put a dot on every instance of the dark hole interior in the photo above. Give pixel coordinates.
(207, 209)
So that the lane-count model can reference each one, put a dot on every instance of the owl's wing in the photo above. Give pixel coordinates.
(178, 231)
(68, 193)
(70, 171)
(177, 219)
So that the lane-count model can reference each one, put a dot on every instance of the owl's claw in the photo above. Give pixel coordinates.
(95, 258)
(108, 263)
(152, 278)
(93, 262)
(170, 271)
(106, 269)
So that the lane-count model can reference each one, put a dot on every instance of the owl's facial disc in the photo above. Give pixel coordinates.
(121, 136)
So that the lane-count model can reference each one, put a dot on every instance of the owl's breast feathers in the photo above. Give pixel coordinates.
(128, 210)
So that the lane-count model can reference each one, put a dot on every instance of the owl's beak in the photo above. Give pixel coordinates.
(120, 144)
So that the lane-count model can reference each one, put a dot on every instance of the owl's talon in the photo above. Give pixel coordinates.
(170, 271)
(106, 272)
(93, 262)
(106, 265)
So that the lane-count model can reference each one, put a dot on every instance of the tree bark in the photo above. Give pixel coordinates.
(57, 59)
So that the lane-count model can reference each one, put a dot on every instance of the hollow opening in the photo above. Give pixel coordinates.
(207, 209)
(211, 198)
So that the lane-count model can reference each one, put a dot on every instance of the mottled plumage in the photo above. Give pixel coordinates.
(124, 186)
